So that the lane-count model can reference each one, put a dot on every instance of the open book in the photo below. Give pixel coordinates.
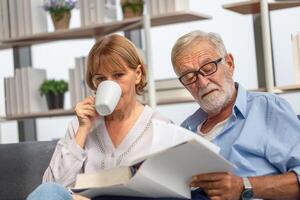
(176, 155)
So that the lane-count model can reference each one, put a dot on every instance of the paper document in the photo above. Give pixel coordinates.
(176, 155)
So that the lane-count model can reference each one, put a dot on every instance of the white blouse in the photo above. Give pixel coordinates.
(69, 158)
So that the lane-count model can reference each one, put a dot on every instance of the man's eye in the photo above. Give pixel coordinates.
(207, 68)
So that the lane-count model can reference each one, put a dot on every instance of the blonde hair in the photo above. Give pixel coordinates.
(111, 53)
(186, 41)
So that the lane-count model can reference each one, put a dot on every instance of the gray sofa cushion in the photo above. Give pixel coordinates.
(22, 166)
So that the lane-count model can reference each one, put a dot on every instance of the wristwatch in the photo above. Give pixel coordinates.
(247, 193)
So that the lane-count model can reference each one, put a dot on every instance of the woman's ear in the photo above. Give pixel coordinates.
(138, 74)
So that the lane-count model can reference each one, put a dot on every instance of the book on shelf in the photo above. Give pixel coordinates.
(12, 5)
(13, 95)
(72, 87)
(176, 155)
(7, 94)
(161, 7)
(19, 91)
(35, 78)
(22, 94)
(21, 17)
(77, 81)
(5, 19)
(97, 11)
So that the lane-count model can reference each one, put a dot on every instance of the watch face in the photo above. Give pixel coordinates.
(247, 194)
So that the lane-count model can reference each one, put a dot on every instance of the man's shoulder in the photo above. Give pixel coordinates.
(268, 104)
(264, 98)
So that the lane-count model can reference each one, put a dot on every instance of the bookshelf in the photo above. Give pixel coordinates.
(167, 91)
(253, 7)
(171, 87)
(102, 29)
(50, 113)
(263, 7)
(288, 88)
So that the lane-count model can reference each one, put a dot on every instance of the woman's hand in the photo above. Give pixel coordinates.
(86, 115)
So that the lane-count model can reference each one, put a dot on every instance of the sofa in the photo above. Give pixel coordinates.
(22, 166)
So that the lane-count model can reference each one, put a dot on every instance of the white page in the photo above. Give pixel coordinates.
(166, 135)
(173, 168)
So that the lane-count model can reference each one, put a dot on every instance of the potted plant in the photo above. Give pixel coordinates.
(54, 91)
(132, 8)
(60, 11)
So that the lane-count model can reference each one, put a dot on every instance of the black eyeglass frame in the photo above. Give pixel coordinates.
(216, 62)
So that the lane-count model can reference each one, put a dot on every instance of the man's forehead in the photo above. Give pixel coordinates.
(194, 57)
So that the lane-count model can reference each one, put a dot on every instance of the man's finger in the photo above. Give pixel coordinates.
(208, 184)
(210, 176)
(213, 192)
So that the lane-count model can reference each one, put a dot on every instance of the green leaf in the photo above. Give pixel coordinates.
(53, 86)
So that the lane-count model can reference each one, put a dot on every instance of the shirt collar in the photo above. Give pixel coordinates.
(239, 109)
(240, 105)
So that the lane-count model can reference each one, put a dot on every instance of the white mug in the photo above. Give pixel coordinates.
(107, 97)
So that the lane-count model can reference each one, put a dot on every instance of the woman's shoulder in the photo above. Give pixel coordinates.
(158, 116)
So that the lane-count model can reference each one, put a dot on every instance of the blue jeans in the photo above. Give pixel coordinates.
(53, 191)
(50, 191)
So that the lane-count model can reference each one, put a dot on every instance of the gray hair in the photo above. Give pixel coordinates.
(188, 40)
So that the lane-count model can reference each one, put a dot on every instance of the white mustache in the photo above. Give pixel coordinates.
(208, 88)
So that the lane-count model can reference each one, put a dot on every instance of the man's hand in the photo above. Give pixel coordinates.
(78, 197)
(219, 186)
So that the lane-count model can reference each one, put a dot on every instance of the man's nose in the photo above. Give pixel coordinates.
(202, 81)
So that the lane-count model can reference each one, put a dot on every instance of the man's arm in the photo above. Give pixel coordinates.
(228, 186)
(283, 186)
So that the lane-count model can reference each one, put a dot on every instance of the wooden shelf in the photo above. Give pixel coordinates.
(168, 91)
(253, 6)
(287, 88)
(102, 29)
(51, 113)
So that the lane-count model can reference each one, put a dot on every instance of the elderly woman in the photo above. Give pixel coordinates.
(93, 142)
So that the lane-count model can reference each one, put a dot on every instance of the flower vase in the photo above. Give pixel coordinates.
(55, 101)
(61, 20)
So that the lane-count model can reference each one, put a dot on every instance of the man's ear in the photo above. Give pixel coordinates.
(138, 74)
(230, 63)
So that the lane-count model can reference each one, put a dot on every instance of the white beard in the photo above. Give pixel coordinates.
(215, 101)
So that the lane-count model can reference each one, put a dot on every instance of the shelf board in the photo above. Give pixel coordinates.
(253, 6)
(287, 88)
(102, 29)
(177, 17)
(51, 113)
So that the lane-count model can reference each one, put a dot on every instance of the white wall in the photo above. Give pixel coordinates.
(235, 29)
(283, 24)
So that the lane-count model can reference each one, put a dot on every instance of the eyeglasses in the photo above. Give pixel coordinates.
(205, 70)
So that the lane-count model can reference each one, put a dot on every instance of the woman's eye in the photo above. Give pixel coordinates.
(118, 75)
(100, 78)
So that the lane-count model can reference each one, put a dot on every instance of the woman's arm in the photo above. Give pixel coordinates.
(67, 160)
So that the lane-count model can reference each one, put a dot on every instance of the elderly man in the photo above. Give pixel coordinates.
(258, 132)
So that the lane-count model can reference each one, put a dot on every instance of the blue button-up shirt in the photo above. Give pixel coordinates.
(261, 137)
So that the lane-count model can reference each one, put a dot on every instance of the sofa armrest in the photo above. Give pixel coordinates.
(22, 167)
